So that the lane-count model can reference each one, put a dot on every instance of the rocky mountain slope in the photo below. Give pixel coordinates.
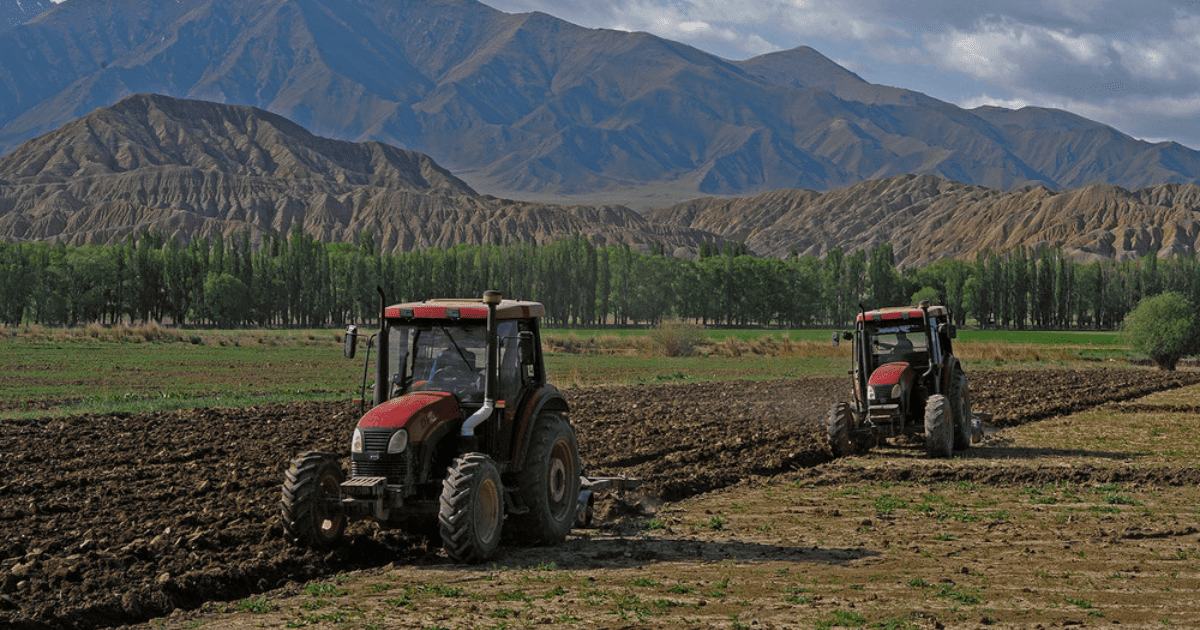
(530, 106)
(194, 169)
(927, 218)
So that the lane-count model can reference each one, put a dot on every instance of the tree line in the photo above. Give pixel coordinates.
(294, 280)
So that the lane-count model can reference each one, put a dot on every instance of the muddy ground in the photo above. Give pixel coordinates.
(119, 519)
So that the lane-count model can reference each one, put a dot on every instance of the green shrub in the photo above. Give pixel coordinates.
(676, 340)
(1164, 328)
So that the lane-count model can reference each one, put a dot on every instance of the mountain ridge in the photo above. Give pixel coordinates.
(926, 218)
(155, 162)
(530, 106)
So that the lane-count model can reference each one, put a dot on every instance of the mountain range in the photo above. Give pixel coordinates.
(192, 169)
(533, 107)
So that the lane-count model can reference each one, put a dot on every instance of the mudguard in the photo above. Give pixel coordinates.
(546, 398)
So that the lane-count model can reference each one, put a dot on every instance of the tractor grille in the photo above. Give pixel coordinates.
(376, 440)
(396, 466)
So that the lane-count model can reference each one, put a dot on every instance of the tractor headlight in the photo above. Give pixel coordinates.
(871, 394)
(356, 442)
(398, 443)
(896, 391)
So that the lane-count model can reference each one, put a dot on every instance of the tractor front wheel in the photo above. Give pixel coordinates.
(939, 435)
(471, 513)
(311, 509)
(549, 482)
(841, 417)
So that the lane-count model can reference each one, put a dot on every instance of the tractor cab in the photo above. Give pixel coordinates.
(442, 346)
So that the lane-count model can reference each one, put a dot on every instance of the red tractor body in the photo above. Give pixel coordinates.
(907, 381)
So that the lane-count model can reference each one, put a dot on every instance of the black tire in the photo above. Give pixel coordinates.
(311, 509)
(471, 514)
(960, 405)
(549, 482)
(841, 417)
(939, 435)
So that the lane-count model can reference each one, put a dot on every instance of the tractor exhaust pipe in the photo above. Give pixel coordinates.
(382, 388)
(491, 365)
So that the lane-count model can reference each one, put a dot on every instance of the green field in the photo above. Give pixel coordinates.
(95, 370)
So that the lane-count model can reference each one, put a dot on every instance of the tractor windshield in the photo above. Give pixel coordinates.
(442, 357)
(904, 342)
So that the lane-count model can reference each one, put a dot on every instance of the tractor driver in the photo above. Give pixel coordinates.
(897, 351)
(455, 371)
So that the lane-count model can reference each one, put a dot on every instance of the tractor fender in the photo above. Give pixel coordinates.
(421, 413)
(952, 363)
(546, 398)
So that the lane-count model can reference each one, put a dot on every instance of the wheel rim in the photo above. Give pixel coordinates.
(558, 481)
(327, 512)
(487, 511)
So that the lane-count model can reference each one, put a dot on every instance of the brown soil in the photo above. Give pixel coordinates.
(119, 519)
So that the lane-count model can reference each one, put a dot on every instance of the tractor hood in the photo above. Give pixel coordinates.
(418, 412)
(891, 374)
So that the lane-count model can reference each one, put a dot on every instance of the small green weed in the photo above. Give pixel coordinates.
(256, 605)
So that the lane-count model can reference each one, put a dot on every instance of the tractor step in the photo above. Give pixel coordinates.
(365, 486)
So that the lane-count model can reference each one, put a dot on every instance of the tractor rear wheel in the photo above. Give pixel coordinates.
(471, 512)
(840, 419)
(549, 482)
(960, 405)
(939, 435)
(311, 508)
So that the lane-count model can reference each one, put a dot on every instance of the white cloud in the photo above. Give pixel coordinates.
(983, 100)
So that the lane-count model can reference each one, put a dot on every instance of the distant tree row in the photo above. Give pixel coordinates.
(296, 281)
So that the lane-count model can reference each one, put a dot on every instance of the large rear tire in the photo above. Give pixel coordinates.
(549, 482)
(311, 509)
(471, 512)
(841, 417)
(960, 404)
(939, 435)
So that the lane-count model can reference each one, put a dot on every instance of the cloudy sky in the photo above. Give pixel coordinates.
(1132, 65)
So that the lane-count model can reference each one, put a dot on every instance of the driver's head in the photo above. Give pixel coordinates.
(450, 356)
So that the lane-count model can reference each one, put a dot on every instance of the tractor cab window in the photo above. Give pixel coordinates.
(905, 342)
(447, 359)
(509, 381)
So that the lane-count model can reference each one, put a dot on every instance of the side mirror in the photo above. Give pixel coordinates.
(527, 347)
(949, 330)
(351, 342)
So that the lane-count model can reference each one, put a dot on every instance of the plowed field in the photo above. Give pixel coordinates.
(118, 519)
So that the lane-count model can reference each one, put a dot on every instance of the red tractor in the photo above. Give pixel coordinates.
(465, 434)
(907, 381)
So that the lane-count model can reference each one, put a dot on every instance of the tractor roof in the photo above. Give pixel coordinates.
(465, 308)
(901, 313)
